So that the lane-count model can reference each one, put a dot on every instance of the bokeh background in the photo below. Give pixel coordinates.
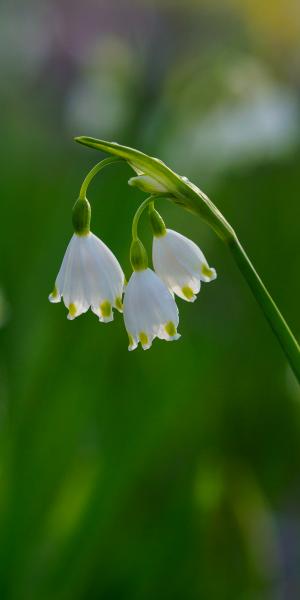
(175, 473)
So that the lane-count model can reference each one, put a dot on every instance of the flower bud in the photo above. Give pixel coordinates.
(146, 183)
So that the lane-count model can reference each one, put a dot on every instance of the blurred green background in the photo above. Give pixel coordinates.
(175, 473)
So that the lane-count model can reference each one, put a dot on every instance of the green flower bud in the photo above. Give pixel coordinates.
(81, 216)
(146, 183)
(138, 256)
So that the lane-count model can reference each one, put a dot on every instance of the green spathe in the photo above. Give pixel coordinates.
(148, 184)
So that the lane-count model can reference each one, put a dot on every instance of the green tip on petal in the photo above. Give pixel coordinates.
(143, 338)
(54, 292)
(130, 339)
(170, 329)
(72, 310)
(105, 308)
(119, 304)
(206, 271)
(187, 292)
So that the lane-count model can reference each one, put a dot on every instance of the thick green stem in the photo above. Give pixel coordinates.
(273, 315)
(94, 171)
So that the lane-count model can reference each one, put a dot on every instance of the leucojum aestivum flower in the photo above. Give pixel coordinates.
(91, 276)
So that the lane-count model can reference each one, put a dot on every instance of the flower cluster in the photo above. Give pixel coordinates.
(91, 277)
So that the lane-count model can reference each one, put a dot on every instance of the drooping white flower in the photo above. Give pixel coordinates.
(149, 310)
(90, 276)
(181, 264)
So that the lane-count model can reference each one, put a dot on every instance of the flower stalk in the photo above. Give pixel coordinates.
(183, 192)
(138, 215)
(272, 313)
(91, 174)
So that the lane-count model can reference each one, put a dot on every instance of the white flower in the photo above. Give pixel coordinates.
(90, 276)
(180, 264)
(149, 310)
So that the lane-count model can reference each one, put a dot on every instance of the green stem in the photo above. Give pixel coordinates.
(137, 216)
(278, 324)
(273, 315)
(98, 167)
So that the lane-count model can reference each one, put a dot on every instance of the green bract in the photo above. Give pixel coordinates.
(148, 184)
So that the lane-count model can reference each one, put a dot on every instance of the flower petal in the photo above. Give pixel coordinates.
(149, 310)
(181, 264)
(90, 276)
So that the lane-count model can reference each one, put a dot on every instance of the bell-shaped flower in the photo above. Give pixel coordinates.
(180, 263)
(149, 310)
(90, 276)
